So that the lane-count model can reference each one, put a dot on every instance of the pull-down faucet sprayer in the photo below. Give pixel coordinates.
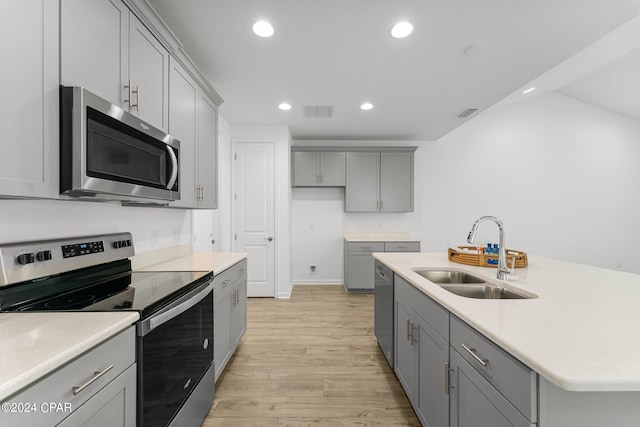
(503, 270)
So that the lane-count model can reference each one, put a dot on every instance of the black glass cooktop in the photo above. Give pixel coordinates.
(103, 288)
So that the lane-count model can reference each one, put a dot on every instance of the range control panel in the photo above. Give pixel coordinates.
(35, 259)
(82, 249)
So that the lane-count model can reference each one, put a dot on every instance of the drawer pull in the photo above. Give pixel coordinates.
(472, 351)
(98, 374)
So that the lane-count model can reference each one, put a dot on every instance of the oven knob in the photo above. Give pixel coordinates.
(24, 259)
(43, 255)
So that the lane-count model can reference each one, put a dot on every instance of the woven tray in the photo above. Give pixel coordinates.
(482, 259)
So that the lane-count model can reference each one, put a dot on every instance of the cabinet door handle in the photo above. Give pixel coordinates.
(98, 374)
(137, 92)
(129, 90)
(447, 384)
(472, 351)
(408, 330)
(381, 204)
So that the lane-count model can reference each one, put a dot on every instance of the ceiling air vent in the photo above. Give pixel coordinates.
(466, 113)
(313, 111)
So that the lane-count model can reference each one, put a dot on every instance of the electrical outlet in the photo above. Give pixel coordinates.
(312, 269)
(154, 237)
(176, 236)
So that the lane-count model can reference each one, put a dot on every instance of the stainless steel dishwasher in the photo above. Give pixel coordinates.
(383, 319)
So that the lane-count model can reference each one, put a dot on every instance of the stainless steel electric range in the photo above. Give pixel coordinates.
(175, 331)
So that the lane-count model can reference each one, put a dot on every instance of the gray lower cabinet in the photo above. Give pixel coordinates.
(489, 386)
(453, 375)
(98, 389)
(475, 402)
(229, 312)
(359, 265)
(422, 353)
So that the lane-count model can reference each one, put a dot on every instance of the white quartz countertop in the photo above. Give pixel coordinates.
(582, 333)
(378, 236)
(34, 344)
(199, 261)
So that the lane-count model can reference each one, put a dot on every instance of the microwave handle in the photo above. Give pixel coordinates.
(174, 167)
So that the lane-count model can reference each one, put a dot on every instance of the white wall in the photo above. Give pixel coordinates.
(152, 228)
(561, 174)
(319, 220)
(280, 136)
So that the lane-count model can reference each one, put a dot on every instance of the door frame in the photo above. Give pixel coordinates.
(234, 210)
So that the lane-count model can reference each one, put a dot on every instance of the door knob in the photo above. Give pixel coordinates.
(269, 238)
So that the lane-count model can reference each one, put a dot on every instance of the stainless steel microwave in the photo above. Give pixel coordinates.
(106, 153)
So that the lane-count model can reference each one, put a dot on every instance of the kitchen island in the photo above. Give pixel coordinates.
(580, 334)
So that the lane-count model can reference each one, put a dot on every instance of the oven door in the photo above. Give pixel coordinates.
(109, 153)
(175, 350)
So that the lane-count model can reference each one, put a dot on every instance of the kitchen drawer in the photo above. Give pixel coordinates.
(366, 247)
(402, 247)
(428, 309)
(58, 387)
(514, 380)
(223, 280)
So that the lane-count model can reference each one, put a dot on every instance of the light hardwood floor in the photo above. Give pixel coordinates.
(309, 361)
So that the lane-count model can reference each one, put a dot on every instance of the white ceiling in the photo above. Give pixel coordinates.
(613, 87)
(339, 53)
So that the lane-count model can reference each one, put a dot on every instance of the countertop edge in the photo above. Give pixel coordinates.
(34, 374)
(216, 262)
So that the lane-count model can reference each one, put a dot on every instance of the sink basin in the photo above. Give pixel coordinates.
(483, 291)
(469, 286)
(449, 276)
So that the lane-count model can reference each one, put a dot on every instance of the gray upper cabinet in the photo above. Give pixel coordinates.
(193, 120)
(318, 169)
(28, 115)
(207, 172)
(363, 182)
(107, 50)
(396, 182)
(379, 181)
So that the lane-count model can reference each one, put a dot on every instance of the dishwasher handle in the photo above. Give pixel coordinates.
(177, 308)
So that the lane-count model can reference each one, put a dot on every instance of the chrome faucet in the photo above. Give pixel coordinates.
(503, 270)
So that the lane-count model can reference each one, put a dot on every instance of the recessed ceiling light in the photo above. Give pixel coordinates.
(531, 89)
(263, 29)
(401, 30)
(366, 106)
(285, 106)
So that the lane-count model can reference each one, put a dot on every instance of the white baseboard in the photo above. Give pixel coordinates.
(317, 282)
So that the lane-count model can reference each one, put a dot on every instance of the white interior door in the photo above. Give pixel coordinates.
(255, 214)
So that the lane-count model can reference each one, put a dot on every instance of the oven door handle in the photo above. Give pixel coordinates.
(153, 322)
(174, 167)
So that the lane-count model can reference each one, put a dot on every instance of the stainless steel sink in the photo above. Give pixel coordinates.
(449, 276)
(469, 286)
(483, 291)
